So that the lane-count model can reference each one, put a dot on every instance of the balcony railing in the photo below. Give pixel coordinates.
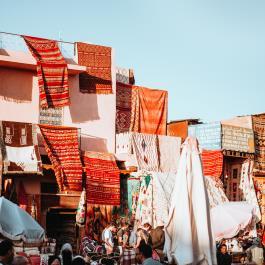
(11, 41)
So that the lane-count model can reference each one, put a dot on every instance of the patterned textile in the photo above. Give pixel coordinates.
(144, 211)
(123, 143)
(259, 138)
(163, 188)
(149, 111)
(87, 246)
(215, 191)
(133, 193)
(51, 116)
(61, 144)
(103, 179)
(145, 151)
(20, 148)
(81, 210)
(212, 161)
(97, 59)
(169, 153)
(52, 72)
(125, 76)
(248, 188)
(128, 257)
(123, 107)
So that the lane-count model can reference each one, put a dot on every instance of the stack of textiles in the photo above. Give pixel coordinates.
(19, 146)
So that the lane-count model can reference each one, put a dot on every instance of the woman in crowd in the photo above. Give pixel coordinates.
(66, 254)
(142, 236)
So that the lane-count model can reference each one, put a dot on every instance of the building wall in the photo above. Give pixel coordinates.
(94, 114)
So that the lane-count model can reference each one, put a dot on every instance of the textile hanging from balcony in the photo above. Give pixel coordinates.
(51, 70)
(169, 153)
(212, 161)
(125, 76)
(123, 107)
(102, 178)
(149, 111)
(98, 76)
(259, 138)
(19, 145)
(145, 151)
(61, 144)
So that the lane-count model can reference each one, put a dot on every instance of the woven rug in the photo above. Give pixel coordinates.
(169, 153)
(19, 145)
(61, 144)
(97, 59)
(212, 162)
(145, 151)
(259, 138)
(133, 193)
(247, 186)
(215, 191)
(123, 107)
(149, 111)
(102, 179)
(125, 76)
(163, 188)
(51, 70)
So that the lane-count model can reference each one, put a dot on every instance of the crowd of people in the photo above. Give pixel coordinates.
(119, 239)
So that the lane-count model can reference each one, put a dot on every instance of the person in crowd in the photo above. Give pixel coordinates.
(54, 260)
(20, 260)
(66, 254)
(6, 252)
(145, 255)
(255, 253)
(223, 258)
(78, 260)
(132, 236)
(142, 237)
(121, 231)
(107, 237)
(157, 239)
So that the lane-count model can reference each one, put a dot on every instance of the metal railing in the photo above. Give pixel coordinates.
(12, 41)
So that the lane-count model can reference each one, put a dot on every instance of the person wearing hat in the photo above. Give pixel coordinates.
(255, 252)
(6, 252)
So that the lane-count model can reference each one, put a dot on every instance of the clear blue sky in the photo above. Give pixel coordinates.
(209, 55)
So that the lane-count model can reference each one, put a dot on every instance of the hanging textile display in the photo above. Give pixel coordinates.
(169, 153)
(259, 138)
(52, 72)
(133, 193)
(125, 76)
(247, 187)
(102, 178)
(81, 210)
(98, 76)
(144, 210)
(145, 151)
(149, 111)
(163, 191)
(188, 232)
(20, 148)
(123, 107)
(61, 145)
(212, 162)
(215, 191)
(51, 116)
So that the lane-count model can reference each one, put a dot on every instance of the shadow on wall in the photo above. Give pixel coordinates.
(83, 107)
(90, 143)
(16, 85)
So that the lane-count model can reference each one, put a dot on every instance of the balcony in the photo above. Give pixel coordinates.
(15, 54)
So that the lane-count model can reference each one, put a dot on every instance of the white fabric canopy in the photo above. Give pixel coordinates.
(231, 217)
(17, 224)
(188, 231)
